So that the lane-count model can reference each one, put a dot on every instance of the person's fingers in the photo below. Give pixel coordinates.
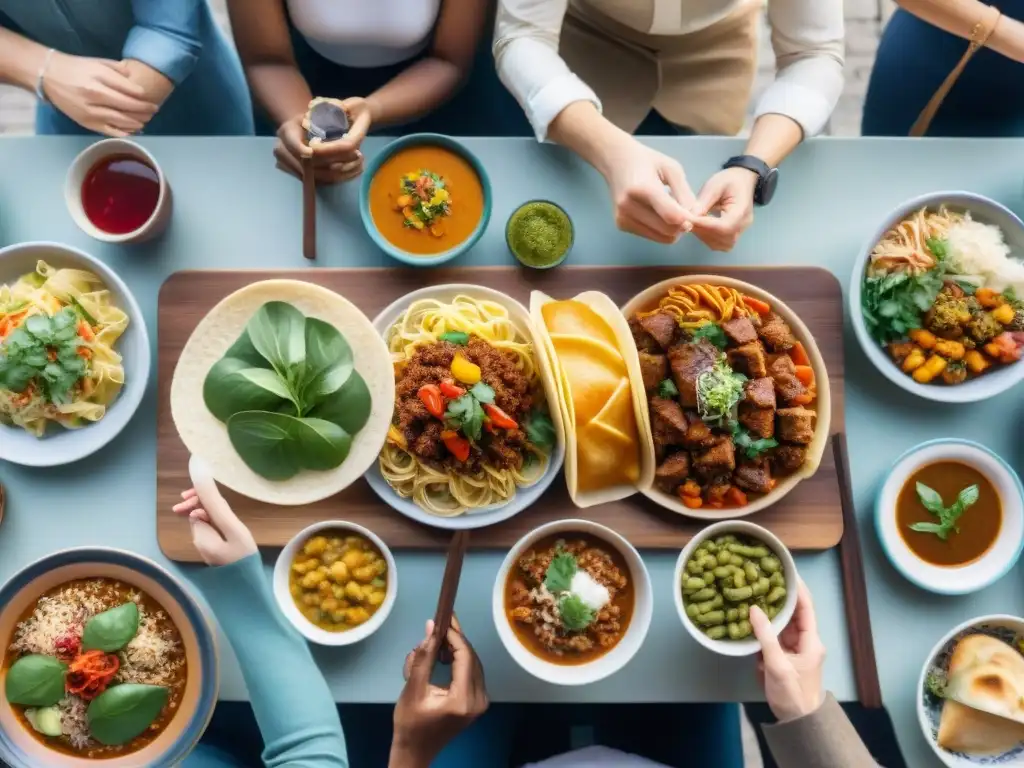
(184, 507)
(294, 139)
(804, 619)
(219, 511)
(118, 120)
(709, 196)
(628, 223)
(424, 657)
(200, 514)
(118, 92)
(115, 133)
(189, 494)
(673, 175)
(656, 208)
(465, 671)
(286, 161)
(115, 75)
(772, 653)
(205, 537)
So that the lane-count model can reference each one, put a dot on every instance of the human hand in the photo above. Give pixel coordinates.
(217, 533)
(427, 717)
(637, 178)
(332, 161)
(790, 665)
(98, 94)
(730, 193)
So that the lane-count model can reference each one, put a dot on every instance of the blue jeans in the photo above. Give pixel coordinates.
(914, 58)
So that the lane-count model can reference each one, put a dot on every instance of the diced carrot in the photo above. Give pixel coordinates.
(693, 502)
(690, 489)
(85, 353)
(799, 355)
(806, 375)
(715, 504)
(757, 305)
(736, 497)
(802, 399)
(85, 331)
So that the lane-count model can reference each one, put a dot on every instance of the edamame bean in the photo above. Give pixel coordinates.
(694, 582)
(692, 611)
(773, 611)
(709, 578)
(706, 593)
(777, 579)
(770, 565)
(757, 551)
(716, 633)
(722, 572)
(744, 610)
(739, 578)
(711, 547)
(751, 572)
(736, 560)
(775, 595)
(708, 561)
(711, 618)
(738, 594)
(743, 630)
(732, 615)
(694, 567)
(710, 605)
(762, 586)
(734, 631)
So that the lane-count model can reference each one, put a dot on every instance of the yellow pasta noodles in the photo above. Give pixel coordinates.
(698, 304)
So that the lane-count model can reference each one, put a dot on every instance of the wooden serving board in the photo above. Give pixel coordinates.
(809, 518)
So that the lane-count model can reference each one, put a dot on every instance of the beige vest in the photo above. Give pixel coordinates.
(701, 80)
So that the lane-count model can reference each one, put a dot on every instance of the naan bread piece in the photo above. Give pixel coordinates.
(988, 675)
(963, 729)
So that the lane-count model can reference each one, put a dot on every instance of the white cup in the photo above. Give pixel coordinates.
(86, 161)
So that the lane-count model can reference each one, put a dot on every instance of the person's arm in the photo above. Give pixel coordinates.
(825, 738)
(20, 60)
(959, 17)
(163, 47)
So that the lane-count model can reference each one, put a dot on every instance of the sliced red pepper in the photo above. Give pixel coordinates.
(457, 445)
(451, 390)
(90, 674)
(68, 646)
(499, 418)
(430, 396)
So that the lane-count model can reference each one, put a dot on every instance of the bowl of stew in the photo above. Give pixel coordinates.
(950, 516)
(572, 602)
(336, 582)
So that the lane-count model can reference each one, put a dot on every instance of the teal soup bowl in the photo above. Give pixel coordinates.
(425, 199)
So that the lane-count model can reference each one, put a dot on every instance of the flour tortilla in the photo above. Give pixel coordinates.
(207, 438)
(988, 675)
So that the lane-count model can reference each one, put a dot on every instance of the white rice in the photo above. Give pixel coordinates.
(978, 253)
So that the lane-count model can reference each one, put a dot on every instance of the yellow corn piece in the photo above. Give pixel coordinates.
(976, 362)
(465, 371)
(1003, 314)
(924, 339)
(395, 437)
(951, 350)
(932, 368)
(913, 361)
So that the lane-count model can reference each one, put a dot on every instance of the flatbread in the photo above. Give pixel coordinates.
(207, 438)
(987, 674)
(967, 730)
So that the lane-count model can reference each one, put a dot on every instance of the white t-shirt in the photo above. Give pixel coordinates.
(363, 33)
(596, 757)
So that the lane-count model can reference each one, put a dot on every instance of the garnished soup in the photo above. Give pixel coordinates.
(949, 513)
(569, 598)
(96, 669)
(426, 199)
(120, 193)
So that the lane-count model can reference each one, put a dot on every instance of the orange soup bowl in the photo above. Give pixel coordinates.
(425, 199)
(21, 747)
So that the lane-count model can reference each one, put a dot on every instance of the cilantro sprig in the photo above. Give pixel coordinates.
(574, 613)
(750, 446)
(894, 303)
(713, 333)
(44, 350)
(467, 413)
(540, 430)
(667, 389)
(947, 516)
(558, 577)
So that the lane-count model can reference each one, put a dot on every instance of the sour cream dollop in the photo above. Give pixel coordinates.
(593, 594)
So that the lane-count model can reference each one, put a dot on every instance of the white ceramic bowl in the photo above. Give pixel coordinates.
(63, 446)
(287, 605)
(604, 665)
(1000, 557)
(524, 497)
(748, 645)
(649, 298)
(929, 708)
(86, 160)
(981, 209)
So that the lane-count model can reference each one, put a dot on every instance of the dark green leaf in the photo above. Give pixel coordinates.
(277, 331)
(265, 444)
(465, 413)
(328, 362)
(540, 430)
(243, 349)
(712, 333)
(226, 392)
(667, 389)
(940, 530)
(558, 577)
(349, 407)
(111, 630)
(482, 392)
(124, 711)
(936, 683)
(322, 445)
(455, 337)
(35, 681)
(930, 499)
(575, 614)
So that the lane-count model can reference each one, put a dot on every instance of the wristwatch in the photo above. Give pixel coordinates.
(767, 178)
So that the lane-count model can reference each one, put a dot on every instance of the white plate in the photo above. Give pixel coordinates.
(991, 566)
(63, 446)
(524, 496)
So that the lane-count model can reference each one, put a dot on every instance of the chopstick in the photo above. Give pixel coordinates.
(855, 591)
(308, 209)
(449, 588)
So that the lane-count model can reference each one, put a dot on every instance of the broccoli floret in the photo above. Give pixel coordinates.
(947, 316)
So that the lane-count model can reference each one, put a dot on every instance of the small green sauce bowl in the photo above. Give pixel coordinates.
(552, 209)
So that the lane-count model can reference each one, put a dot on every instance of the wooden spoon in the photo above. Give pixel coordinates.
(449, 588)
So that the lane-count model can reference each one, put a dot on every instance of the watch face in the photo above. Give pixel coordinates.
(766, 189)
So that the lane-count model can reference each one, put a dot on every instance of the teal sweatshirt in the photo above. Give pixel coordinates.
(293, 705)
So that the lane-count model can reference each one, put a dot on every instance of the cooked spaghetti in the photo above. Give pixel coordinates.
(58, 328)
(699, 304)
(908, 245)
(470, 424)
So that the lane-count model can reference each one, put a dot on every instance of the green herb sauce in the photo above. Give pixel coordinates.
(539, 234)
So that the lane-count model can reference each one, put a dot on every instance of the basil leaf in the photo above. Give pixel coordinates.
(540, 430)
(124, 711)
(967, 497)
(277, 331)
(226, 392)
(328, 361)
(458, 338)
(111, 630)
(349, 407)
(35, 681)
(930, 499)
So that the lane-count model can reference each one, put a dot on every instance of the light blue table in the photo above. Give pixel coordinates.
(233, 210)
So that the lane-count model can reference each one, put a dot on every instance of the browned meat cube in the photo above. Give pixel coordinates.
(668, 424)
(654, 368)
(787, 385)
(796, 425)
(698, 434)
(662, 327)
(643, 340)
(672, 471)
(760, 392)
(754, 476)
(719, 459)
(740, 330)
(749, 360)
(717, 489)
(688, 361)
(760, 422)
(776, 333)
(787, 459)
